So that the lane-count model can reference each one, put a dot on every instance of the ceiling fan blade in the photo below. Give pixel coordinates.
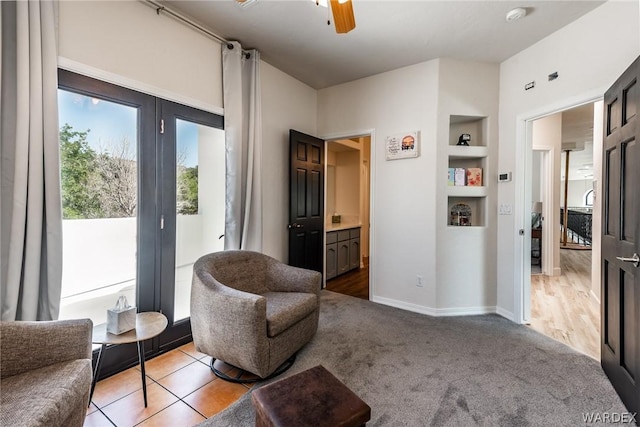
(343, 17)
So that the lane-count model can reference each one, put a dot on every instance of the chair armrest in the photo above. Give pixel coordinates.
(222, 314)
(31, 345)
(285, 278)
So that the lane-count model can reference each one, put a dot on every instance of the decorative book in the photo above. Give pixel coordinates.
(452, 176)
(474, 177)
(460, 177)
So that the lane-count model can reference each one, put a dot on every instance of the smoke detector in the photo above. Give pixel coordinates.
(245, 3)
(515, 14)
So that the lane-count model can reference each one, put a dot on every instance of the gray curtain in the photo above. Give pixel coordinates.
(31, 213)
(243, 134)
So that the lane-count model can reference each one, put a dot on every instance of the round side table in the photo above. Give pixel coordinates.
(148, 325)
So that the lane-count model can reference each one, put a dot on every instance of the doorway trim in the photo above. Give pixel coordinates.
(546, 166)
(372, 184)
(522, 197)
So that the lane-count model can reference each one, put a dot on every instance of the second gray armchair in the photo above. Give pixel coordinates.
(252, 311)
(45, 373)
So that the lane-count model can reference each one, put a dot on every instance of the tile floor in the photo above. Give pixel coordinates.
(181, 391)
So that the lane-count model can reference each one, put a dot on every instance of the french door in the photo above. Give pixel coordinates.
(191, 152)
(143, 190)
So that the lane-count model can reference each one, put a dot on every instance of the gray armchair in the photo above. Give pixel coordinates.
(45, 372)
(252, 311)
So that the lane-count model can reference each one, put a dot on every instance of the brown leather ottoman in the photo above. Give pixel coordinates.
(311, 398)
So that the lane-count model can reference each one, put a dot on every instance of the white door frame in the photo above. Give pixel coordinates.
(522, 206)
(372, 183)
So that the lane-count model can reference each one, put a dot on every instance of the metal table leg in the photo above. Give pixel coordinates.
(144, 382)
(96, 372)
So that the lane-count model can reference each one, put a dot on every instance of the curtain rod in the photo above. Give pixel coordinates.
(160, 8)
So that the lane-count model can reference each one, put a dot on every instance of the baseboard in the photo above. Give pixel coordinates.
(465, 311)
(557, 271)
(436, 312)
(405, 306)
(505, 313)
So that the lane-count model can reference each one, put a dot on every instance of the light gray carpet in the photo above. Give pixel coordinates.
(416, 370)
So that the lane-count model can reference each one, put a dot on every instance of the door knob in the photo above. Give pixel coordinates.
(295, 225)
(634, 259)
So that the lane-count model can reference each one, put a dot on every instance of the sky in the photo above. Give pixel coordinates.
(110, 122)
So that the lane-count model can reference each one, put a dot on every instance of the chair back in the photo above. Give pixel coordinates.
(241, 270)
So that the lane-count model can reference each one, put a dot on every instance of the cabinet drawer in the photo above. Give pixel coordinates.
(354, 232)
(332, 237)
(343, 235)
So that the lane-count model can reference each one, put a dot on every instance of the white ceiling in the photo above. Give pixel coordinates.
(577, 129)
(293, 35)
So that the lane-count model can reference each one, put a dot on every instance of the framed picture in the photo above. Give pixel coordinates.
(402, 145)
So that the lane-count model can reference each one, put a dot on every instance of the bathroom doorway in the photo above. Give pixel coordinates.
(347, 219)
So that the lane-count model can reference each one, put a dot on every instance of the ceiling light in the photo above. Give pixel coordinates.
(515, 14)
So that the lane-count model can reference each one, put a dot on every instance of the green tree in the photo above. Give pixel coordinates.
(187, 190)
(117, 172)
(78, 166)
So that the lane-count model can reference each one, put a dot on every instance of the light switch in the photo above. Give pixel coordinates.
(505, 209)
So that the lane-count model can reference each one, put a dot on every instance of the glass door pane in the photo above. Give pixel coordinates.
(99, 176)
(199, 208)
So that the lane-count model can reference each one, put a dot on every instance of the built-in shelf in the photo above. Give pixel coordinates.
(473, 125)
(466, 191)
(475, 155)
(477, 205)
(462, 152)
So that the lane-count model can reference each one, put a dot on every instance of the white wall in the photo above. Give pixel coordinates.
(466, 266)
(575, 192)
(409, 215)
(403, 215)
(127, 43)
(347, 189)
(588, 55)
(536, 181)
(211, 188)
(286, 104)
(547, 136)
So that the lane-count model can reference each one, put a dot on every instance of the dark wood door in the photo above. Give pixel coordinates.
(306, 202)
(620, 307)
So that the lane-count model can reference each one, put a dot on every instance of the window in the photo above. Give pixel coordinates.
(589, 198)
(141, 201)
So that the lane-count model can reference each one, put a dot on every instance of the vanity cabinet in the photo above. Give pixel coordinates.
(354, 248)
(331, 269)
(342, 251)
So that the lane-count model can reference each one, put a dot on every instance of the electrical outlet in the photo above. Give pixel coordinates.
(419, 281)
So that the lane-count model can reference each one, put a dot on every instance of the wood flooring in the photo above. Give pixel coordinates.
(354, 283)
(562, 307)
